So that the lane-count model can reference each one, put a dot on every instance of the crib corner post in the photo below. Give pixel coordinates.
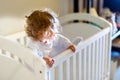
(40, 69)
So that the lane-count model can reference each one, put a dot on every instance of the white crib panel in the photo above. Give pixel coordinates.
(90, 62)
(24, 54)
(7, 65)
(18, 74)
(61, 67)
(10, 65)
(99, 76)
(84, 65)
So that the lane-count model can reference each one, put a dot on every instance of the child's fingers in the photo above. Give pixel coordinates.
(53, 60)
(46, 60)
(72, 47)
(49, 61)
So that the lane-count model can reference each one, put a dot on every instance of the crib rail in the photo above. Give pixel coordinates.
(84, 17)
(20, 37)
(12, 51)
(90, 62)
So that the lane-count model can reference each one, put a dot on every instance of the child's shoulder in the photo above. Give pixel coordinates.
(60, 36)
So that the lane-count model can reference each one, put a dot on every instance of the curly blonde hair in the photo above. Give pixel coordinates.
(41, 20)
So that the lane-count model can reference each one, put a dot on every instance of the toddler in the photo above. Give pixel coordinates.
(42, 28)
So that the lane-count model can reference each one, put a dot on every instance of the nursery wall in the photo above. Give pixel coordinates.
(13, 12)
(22, 7)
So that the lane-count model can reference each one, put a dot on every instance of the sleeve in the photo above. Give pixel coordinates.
(64, 41)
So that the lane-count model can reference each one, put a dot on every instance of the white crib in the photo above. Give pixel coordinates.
(90, 62)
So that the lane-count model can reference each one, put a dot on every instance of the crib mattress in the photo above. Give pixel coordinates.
(83, 30)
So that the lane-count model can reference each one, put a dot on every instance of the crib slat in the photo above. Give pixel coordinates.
(108, 58)
(109, 55)
(60, 72)
(68, 69)
(97, 48)
(103, 55)
(79, 65)
(93, 60)
(102, 61)
(98, 60)
(51, 74)
(89, 62)
(85, 64)
(100, 65)
(74, 67)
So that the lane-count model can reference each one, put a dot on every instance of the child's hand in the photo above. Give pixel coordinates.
(72, 47)
(49, 61)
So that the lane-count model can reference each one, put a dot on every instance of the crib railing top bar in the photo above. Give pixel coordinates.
(62, 57)
(87, 17)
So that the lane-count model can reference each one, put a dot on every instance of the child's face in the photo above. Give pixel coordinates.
(48, 35)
